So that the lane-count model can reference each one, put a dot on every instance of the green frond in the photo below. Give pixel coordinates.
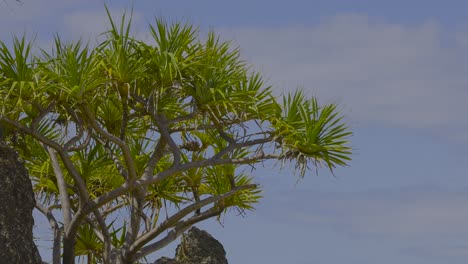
(17, 76)
(87, 243)
(309, 133)
(219, 179)
(71, 72)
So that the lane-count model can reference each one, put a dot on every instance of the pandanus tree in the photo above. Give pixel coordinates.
(130, 143)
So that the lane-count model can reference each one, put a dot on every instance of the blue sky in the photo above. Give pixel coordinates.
(398, 71)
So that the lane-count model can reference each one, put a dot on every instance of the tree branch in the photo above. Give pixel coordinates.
(55, 229)
(121, 143)
(124, 188)
(79, 182)
(122, 170)
(157, 154)
(174, 219)
(234, 146)
(43, 112)
(62, 186)
(164, 130)
(124, 123)
(136, 212)
(68, 146)
(106, 236)
(178, 230)
(182, 118)
(192, 128)
(112, 209)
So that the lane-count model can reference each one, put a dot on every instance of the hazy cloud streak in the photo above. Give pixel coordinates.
(390, 74)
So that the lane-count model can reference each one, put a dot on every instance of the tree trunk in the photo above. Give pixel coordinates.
(68, 251)
(16, 205)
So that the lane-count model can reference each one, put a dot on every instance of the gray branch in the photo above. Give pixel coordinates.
(178, 230)
(62, 186)
(174, 219)
(55, 229)
(121, 143)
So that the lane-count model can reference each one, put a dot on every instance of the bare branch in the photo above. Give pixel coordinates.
(112, 209)
(95, 227)
(121, 143)
(192, 128)
(234, 146)
(136, 211)
(29, 131)
(70, 234)
(225, 136)
(106, 236)
(182, 118)
(115, 159)
(82, 191)
(62, 186)
(68, 146)
(205, 126)
(179, 229)
(174, 219)
(42, 114)
(158, 153)
(164, 130)
(55, 229)
(124, 123)
(124, 188)
(80, 146)
(74, 139)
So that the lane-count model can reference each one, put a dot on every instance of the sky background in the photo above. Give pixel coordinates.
(397, 69)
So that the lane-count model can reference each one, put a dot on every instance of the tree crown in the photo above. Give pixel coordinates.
(129, 124)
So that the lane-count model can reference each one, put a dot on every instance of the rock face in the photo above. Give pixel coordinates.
(197, 247)
(16, 205)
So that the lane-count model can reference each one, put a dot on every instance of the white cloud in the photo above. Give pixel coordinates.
(33, 16)
(14, 11)
(91, 23)
(414, 221)
(391, 74)
(410, 213)
(70, 19)
(441, 252)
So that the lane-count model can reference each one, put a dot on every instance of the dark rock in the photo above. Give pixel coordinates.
(16, 205)
(197, 247)
(165, 260)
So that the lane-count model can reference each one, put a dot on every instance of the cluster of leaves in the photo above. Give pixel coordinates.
(128, 127)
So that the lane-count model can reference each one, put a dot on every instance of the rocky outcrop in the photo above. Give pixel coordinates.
(16, 205)
(197, 247)
(165, 260)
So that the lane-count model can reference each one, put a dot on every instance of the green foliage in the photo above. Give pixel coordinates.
(140, 127)
(309, 132)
